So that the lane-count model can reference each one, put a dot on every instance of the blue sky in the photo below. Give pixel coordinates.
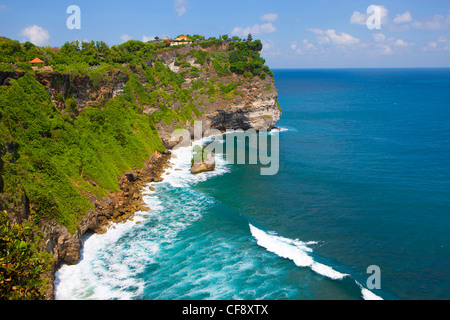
(295, 33)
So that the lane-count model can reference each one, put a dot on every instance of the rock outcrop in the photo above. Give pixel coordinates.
(207, 164)
(118, 207)
(255, 107)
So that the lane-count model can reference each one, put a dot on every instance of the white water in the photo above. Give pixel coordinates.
(298, 252)
(111, 267)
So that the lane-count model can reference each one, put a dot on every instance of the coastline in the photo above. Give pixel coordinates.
(117, 208)
(140, 203)
(129, 201)
(136, 184)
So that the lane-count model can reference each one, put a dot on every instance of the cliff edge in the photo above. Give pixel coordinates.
(77, 147)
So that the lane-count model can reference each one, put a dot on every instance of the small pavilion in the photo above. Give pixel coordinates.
(36, 63)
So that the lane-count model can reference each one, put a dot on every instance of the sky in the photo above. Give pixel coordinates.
(295, 33)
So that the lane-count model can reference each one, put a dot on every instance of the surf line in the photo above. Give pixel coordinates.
(297, 251)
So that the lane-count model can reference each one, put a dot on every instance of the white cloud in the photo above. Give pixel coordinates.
(358, 18)
(308, 46)
(269, 17)
(293, 45)
(379, 37)
(254, 30)
(386, 49)
(295, 48)
(305, 47)
(147, 38)
(36, 35)
(403, 18)
(402, 43)
(180, 7)
(399, 27)
(330, 36)
(431, 46)
(125, 37)
(361, 18)
(441, 44)
(269, 48)
(264, 28)
(257, 29)
(437, 22)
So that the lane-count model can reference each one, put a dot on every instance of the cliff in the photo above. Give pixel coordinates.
(172, 89)
(252, 104)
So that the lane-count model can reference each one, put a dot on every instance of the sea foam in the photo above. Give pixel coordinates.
(112, 263)
(299, 253)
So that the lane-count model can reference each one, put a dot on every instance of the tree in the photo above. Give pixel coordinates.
(101, 47)
(225, 37)
(156, 38)
(256, 45)
(28, 45)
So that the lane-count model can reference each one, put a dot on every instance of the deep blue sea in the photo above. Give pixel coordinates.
(364, 180)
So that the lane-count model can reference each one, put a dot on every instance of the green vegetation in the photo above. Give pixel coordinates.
(245, 59)
(60, 160)
(59, 157)
(78, 57)
(21, 263)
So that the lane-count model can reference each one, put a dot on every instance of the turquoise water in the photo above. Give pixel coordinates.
(364, 180)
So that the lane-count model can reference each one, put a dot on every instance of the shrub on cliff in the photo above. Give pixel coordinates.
(59, 161)
(21, 263)
(245, 58)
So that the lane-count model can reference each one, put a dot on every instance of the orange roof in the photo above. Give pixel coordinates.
(183, 38)
(36, 60)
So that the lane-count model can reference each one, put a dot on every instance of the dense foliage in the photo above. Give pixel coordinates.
(59, 156)
(21, 263)
(60, 159)
(79, 57)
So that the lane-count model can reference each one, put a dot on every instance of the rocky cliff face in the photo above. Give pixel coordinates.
(81, 88)
(118, 207)
(252, 106)
(255, 105)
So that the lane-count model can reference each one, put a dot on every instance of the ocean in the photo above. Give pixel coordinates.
(363, 182)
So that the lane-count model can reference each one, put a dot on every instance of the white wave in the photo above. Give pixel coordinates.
(367, 294)
(110, 267)
(278, 130)
(295, 250)
(102, 257)
(179, 174)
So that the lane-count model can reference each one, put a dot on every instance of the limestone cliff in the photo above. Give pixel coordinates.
(222, 100)
(253, 106)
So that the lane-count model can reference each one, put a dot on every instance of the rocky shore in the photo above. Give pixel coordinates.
(252, 104)
(116, 208)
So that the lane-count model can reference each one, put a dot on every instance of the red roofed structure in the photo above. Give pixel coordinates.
(36, 60)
